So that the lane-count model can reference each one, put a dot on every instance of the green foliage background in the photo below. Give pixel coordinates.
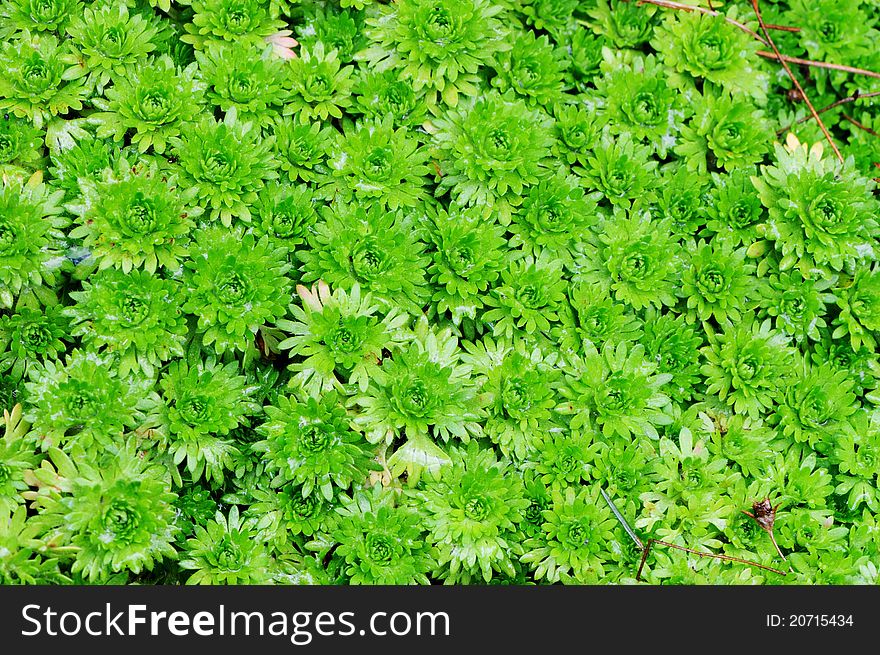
(389, 293)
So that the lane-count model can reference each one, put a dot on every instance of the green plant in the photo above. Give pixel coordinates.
(447, 291)
(234, 280)
(134, 216)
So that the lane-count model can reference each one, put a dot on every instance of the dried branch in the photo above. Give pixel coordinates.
(782, 60)
(859, 125)
(782, 28)
(837, 103)
(818, 64)
(669, 4)
(709, 12)
(726, 558)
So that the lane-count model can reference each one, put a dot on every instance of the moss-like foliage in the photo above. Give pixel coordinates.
(374, 292)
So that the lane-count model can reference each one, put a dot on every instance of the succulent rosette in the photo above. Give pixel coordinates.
(226, 550)
(245, 77)
(134, 217)
(85, 401)
(46, 16)
(576, 130)
(632, 257)
(285, 213)
(115, 514)
(153, 101)
(135, 316)
(595, 318)
(532, 69)
(39, 83)
(317, 84)
(338, 29)
(227, 162)
(817, 407)
(734, 210)
(421, 390)
(797, 304)
(302, 148)
(857, 454)
(490, 149)
(726, 130)
(312, 445)
(527, 298)
(518, 391)
(717, 282)
(710, 48)
(382, 543)
(674, 344)
(621, 24)
(82, 158)
(340, 336)
(648, 107)
(374, 163)
(472, 508)
(618, 390)
(241, 279)
(244, 21)
(572, 543)
(748, 366)
(20, 146)
(28, 336)
(554, 217)
(111, 39)
(200, 406)
(373, 248)
(379, 94)
(622, 169)
(439, 45)
(859, 302)
(31, 220)
(818, 213)
(468, 255)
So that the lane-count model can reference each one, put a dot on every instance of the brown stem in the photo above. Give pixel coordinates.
(726, 558)
(859, 125)
(645, 551)
(702, 10)
(782, 28)
(837, 103)
(669, 4)
(817, 64)
(782, 60)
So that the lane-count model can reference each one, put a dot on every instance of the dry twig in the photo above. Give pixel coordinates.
(702, 10)
(837, 103)
(861, 126)
(782, 60)
(726, 558)
(818, 64)
(646, 547)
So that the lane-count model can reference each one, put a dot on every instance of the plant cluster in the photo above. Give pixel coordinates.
(396, 292)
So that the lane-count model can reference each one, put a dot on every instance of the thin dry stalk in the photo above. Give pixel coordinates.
(702, 10)
(782, 60)
(817, 64)
(837, 103)
(726, 558)
(860, 125)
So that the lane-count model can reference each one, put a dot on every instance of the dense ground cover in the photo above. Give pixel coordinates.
(373, 292)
